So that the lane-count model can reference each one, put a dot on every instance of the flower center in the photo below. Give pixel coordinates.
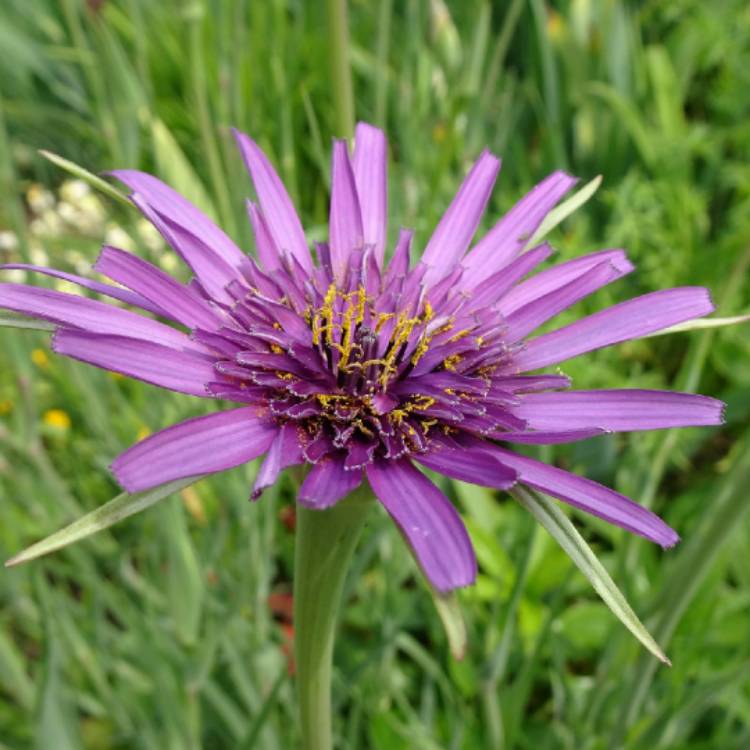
(364, 347)
(367, 372)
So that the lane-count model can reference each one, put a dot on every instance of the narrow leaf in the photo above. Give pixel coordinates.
(565, 209)
(176, 169)
(19, 321)
(449, 611)
(561, 528)
(83, 174)
(115, 510)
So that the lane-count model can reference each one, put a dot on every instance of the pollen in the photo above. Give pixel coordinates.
(449, 363)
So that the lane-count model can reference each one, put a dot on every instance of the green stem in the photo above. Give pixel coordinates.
(325, 542)
(343, 98)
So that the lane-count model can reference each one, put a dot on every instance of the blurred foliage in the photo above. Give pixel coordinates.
(161, 633)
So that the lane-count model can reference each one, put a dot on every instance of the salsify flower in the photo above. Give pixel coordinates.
(361, 369)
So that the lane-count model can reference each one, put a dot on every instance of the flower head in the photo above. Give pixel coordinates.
(360, 368)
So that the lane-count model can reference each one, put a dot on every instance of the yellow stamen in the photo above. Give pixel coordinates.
(450, 362)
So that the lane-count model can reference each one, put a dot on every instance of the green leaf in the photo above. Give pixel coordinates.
(695, 325)
(449, 611)
(13, 677)
(18, 321)
(183, 578)
(115, 510)
(56, 722)
(565, 209)
(561, 528)
(176, 169)
(83, 174)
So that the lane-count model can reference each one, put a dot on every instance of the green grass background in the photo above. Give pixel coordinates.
(158, 633)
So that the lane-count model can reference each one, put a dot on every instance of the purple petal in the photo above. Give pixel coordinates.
(359, 454)
(399, 265)
(428, 520)
(123, 295)
(268, 253)
(529, 317)
(180, 211)
(345, 223)
(90, 315)
(548, 437)
(370, 173)
(589, 496)
(203, 445)
(453, 234)
(281, 218)
(618, 410)
(628, 320)
(529, 383)
(470, 466)
(212, 271)
(328, 482)
(180, 302)
(509, 236)
(558, 276)
(285, 451)
(181, 371)
(489, 291)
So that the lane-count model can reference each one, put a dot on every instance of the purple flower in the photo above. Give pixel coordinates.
(362, 369)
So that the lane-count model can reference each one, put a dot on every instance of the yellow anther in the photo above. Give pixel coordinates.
(450, 362)
(364, 430)
(348, 327)
(329, 399)
(397, 415)
(383, 318)
(427, 423)
(326, 312)
(421, 402)
(361, 301)
(422, 348)
(459, 335)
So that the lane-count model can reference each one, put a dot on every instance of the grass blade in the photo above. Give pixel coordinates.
(694, 563)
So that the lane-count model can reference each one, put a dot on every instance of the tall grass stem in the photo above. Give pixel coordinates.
(343, 97)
